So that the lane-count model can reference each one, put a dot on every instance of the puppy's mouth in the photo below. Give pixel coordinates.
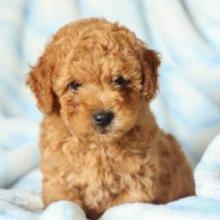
(103, 130)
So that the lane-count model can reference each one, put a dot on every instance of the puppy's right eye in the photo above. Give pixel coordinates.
(121, 81)
(74, 85)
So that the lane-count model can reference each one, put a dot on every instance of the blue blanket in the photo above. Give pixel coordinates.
(185, 32)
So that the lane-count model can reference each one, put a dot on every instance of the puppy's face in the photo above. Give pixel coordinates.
(100, 94)
(101, 84)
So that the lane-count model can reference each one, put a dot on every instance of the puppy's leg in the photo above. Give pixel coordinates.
(54, 191)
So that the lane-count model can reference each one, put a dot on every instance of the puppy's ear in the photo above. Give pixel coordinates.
(151, 62)
(40, 83)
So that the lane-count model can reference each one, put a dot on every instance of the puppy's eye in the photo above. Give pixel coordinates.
(121, 81)
(74, 85)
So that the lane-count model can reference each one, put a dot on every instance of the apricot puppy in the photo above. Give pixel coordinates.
(99, 141)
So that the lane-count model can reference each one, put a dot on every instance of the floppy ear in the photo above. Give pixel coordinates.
(39, 81)
(151, 62)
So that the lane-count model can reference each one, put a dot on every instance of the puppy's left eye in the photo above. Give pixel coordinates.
(74, 85)
(121, 81)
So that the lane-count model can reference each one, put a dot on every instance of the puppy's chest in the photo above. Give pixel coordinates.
(105, 167)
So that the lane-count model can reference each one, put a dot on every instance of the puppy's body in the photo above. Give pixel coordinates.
(91, 67)
(142, 167)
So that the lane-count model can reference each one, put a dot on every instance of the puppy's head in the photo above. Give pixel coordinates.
(97, 76)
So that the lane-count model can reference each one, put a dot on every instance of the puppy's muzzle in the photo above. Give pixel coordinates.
(103, 118)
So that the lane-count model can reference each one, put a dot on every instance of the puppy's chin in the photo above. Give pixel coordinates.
(106, 137)
(101, 135)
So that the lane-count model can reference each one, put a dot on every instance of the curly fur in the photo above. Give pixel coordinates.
(133, 160)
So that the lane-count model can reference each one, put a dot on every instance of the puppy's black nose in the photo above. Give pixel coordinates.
(103, 119)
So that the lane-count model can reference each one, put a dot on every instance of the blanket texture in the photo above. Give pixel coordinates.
(185, 32)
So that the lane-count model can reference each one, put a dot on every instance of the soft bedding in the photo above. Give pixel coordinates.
(188, 105)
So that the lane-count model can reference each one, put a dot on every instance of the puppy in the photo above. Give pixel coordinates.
(100, 143)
